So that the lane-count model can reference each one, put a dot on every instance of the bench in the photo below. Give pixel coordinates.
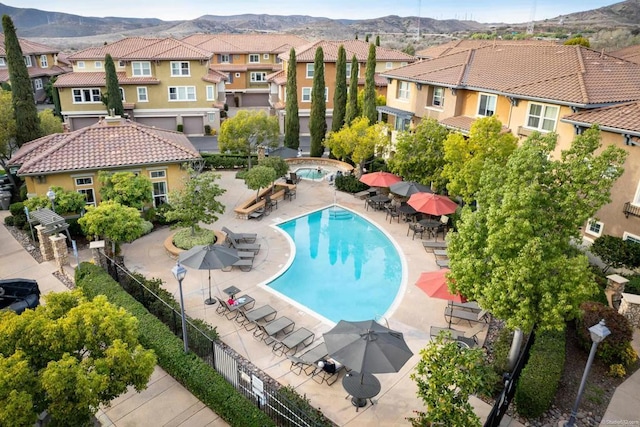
(250, 206)
(442, 263)
(451, 313)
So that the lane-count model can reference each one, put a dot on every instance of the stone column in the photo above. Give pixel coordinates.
(60, 251)
(630, 308)
(45, 244)
(95, 247)
(261, 154)
(614, 290)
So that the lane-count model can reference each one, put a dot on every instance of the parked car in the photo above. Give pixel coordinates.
(19, 294)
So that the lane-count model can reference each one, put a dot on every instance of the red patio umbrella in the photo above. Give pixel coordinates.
(434, 283)
(432, 204)
(379, 179)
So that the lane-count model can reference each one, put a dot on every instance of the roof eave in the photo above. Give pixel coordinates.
(601, 127)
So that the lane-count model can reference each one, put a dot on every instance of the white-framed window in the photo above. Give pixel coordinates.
(594, 227)
(27, 61)
(141, 68)
(542, 117)
(258, 77)
(211, 117)
(143, 95)
(388, 65)
(348, 69)
(326, 94)
(211, 93)
(38, 84)
(3, 61)
(225, 58)
(159, 193)
(404, 90)
(86, 96)
(80, 64)
(254, 58)
(437, 100)
(404, 63)
(122, 64)
(180, 69)
(84, 180)
(306, 94)
(97, 64)
(631, 237)
(122, 94)
(237, 75)
(89, 196)
(265, 56)
(182, 93)
(487, 104)
(309, 73)
(44, 62)
(156, 174)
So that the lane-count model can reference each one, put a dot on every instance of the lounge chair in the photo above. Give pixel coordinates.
(244, 302)
(431, 246)
(251, 319)
(293, 340)
(466, 337)
(451, 313)
(440, 253)
(241, 237)
(308, 361)
(443, 263)
(269, 331)
(233, 243)
(323, 375)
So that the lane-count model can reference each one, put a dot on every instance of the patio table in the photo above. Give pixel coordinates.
(407, 211)
(431, 226)
(361, 386)
(379, 201)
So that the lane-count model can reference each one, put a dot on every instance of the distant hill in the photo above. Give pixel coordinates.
(623, 14)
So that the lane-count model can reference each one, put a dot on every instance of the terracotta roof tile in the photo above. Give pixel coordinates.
(630, 53)
(245, 43)
(226, 68)
(93, 79)
(624, 117)
(139, 48)
(279, 77)
(456, 46)
(28, 47)
(461, 123)
(214, 76)
(359, 48)
(35, 72)
(103, 146)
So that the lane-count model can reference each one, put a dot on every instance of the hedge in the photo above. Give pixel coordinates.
(539, 380)
(198, 377)
(228, 161)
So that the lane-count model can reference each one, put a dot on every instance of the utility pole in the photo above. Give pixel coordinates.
(532, 18)
(419, 19)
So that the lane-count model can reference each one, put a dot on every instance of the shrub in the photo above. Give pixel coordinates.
(147, 227)
(539, 380)
(633, 285)
(17, 212)
(612, 350)
(8, 221)
(207, 129)
(180, 128)
(350, 184)
(227, 161)
(159, 214)
(601, 281)
(184, 240)
(617, 371)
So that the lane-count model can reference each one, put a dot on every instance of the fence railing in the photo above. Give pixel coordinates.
(262, 390)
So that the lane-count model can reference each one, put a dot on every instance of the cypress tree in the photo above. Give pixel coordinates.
(24, 105)
(366, 38)
(340, 95)
(318, 119)
(114, 99)
(352, 104)
(369, 108)
(291, 119)
(378, 41)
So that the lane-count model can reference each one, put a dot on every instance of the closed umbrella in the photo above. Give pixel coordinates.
(209, 257)
(407, 188)
(379, 179)
(432, 204)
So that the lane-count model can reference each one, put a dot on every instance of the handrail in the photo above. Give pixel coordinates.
(630, 209)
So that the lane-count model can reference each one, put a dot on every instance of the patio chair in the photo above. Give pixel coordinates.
(244, 302)
(269, 331)
(292, 341)
(241, 237)
(295, 179)
(251, 319)
(269, 203)
(233, 243)
(417, 229)
(392, 213)
(289, 193)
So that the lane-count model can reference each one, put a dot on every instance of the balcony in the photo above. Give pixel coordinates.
(630, 209)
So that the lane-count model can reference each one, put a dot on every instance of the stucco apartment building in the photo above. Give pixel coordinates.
(529, 87)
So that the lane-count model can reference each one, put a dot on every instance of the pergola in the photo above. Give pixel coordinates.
(51, 221)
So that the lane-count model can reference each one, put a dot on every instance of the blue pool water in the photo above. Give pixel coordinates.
(344, 268)
(311, 173)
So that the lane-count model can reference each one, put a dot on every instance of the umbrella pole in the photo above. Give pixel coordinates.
(209, 301)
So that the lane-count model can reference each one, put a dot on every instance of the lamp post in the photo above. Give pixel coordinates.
(52, 196)
(179, 272)
(598, 333)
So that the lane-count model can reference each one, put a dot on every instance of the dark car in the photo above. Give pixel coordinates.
(19, 294)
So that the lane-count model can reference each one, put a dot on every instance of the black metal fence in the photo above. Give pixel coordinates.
(283, 406)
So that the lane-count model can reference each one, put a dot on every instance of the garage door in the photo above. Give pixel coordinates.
(193, 125)
(304, 126)
(82, 122)
(169, 123)
(255, 100)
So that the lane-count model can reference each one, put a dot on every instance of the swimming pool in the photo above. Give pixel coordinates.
(311, 173)
(344, 268)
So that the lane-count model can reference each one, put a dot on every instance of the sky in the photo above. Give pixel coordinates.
(485, 11)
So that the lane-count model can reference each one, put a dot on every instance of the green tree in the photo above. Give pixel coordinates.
(24, 105)
(616, 252)
(352, 102)
(378, 41)
(126, 188)
(7, 129)
(52, 95)
(358, 141)
(318, 114)
(380, 100)
(259, 177)
(278, 164)
(340, 94)
(65, 202)
(369, 107)
(112, 98)
(466, 157)
(514, 254)
(113, 222)
(419, 154)
(409, 49)
(447, 376)
(291, 117)
(67, 357)
(248, 130)
(50, 123)
(578, 40)
(196, 202)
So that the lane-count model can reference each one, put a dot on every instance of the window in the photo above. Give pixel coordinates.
(44, 62)
(309, 71)
(141, 68)
(403, 64)
(437, 100)
(211, 93)
(237, 75)
(487, 105)
(180, 68)
(254, 58)
(265, 56)
(80, 64)
(27, 61)
(121, 64)
(159, 193)
(348, 69)
(122, 94)
(388, 65)
(38, 84)
(594, 227)
(182, 93)
(97, 64)
(3, 61)
(225, 58)
(86, 96)
(211, 117)
(403, 90)
(88, 195)
(630, 237)
(158, 174)
(259, 77)
(326, 94)
(306, 94)
(143, 96)
(84, 181)
(542, 117)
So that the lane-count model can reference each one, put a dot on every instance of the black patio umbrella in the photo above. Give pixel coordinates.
(284, 152)
(209, 257)
(367, 346)
(407, 188)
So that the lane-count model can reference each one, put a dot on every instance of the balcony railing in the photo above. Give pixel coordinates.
(630, 209)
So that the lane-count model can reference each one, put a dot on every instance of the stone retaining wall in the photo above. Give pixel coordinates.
(630, 308)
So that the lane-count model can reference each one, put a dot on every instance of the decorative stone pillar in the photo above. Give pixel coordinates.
(45, 244)
(630, 308)
(261, 154)
(60, 251)
(614, 290)
(95, 247)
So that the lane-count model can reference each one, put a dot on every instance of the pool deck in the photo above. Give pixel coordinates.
(414, 312)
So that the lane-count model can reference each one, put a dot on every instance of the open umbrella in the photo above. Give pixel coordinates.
(209, 257)
(379, 179)
(432, 204)
(407, 188)
(367, 346)
(434, 283)
(284, 152)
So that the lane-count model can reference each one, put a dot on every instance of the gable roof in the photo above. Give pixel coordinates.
(245, 43)
(455, 46)
(623, 118)
(359, 48)
(98, 79)
(140, 48)
(28, 47)
(630, 53)
(103, 146)
(569, 75)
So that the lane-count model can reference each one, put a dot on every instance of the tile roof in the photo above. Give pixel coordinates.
(461, 123)
(245, 43)
(103, 146)
(572, 75)
(214, 76)
(359, 48)
(140, 48)
(93, 79)
(455, 46)
(278, 77)
(630, 53)
(28, 47)
(621, 118)
(245, 67)
(35, 72)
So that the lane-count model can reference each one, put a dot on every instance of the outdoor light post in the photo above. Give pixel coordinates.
(52, 196)
(598, 333)
(179, 272)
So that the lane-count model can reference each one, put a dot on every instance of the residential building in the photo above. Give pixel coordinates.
(630, 53)
(72, 160)
(455, 46)
(42, 64)
(163, 82)
(527, 87)
(386, 59)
